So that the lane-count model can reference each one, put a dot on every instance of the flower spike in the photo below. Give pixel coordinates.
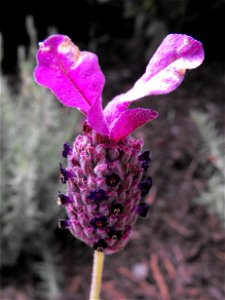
(105, 167)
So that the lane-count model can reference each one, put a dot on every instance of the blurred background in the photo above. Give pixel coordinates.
(178, 251)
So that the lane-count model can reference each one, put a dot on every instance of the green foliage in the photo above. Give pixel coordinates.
(212, 152)
(27, 165)
(34, 128)
(50, 271)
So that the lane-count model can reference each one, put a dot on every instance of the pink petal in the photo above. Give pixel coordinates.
(164, 73)
(96, 119)
(73, 76)
(130, 120)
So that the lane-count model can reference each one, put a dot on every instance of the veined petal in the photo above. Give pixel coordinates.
(74, 76)
(130, 120)
(164, 73)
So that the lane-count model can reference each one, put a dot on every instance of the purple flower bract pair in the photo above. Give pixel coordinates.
(105, 173)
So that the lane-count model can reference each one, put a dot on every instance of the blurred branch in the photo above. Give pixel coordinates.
(212, 151)
(50, 273)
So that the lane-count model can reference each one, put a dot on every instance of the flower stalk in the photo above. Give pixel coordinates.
(97, 275)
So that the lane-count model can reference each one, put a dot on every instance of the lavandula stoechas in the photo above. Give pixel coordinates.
(105, 172)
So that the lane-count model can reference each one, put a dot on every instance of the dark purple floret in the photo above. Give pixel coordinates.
(115, 234)
(99, 222)
(145, 186)
(67, 149)
(116, 208)
(112, 180)
(65, 175)
(63, 224)
(98, 195)
(86, 128)
(142, 209)
(100, 245)
(63, 199)
(145, 159)
(144, 156)
(145, 165)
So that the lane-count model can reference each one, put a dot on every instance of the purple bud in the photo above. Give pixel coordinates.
(145, 156)
(99, 222)
(65, 175)
(116, 208)
(63, 199)
(145, 159)
(142, 209)
(86, 128)
(112, 180)
(115, 234)
(100, 245)
(145, 186)
(145, 165)
(98, 195)
(67, 149)
(64, 224)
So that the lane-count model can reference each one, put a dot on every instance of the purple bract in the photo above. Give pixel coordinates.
(105, 174)
(76, 79)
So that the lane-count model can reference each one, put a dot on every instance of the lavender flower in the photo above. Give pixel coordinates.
(105, 167)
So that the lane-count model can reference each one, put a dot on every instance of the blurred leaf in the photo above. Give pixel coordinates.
(34, 128)
(212, 152)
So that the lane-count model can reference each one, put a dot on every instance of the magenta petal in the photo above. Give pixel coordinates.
(167, 68)
(164, 73)
(73, 76)
(129, 120)
(96, 119)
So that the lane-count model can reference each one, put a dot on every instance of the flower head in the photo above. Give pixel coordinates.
(105, 167)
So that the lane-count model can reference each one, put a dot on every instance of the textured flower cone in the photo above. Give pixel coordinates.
(104, 189)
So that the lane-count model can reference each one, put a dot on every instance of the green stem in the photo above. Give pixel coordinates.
(97, 275)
